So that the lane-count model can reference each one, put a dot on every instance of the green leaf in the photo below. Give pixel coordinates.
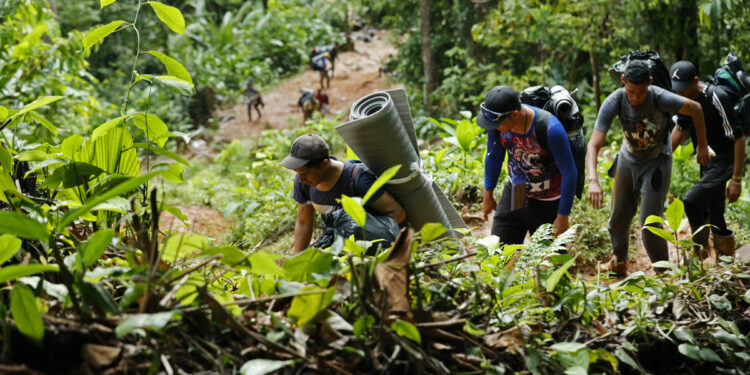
(154, 128)
(44, 122)
(26, 313)
(263, 366)
(263, 263)
(691, 351)
(163, 152)
(406, 329)
(174, 68)
(3, 113)
(174, 173)
(33, 155)
(471, 329)
(95, 246)
(39, 102)
(122, 188)
(103, 128)
(13, 272)
(465, 135)
(674, 214)
(171, 16)
(354, 209)
(363, 324)
(104, 3)
(6, 161)
(9, 246)
(568, 347)
(304, 266)
(665, 264)
(385, 177)
(176, 85)
(155, 322)
(661, 233)
(304, 308)
(183, 244)
(576, 370)
(653, 219)
(101, 32)
(707, 354)
(71, 145)
(623, 356)
(230, 255)
(431, 231)
(558, 274)
(350, 155)
(22, 226)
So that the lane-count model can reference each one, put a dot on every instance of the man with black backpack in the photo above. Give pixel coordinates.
(704, 202)
(644, 166)
(320, 182)
(543, 177)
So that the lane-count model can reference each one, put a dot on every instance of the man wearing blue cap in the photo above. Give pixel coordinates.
(543, 178)
(704, 202)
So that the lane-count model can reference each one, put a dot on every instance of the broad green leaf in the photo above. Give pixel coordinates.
(116, 204)
(263, 263)
(439, 156)
(623, 356)
(304, 308)
(230, 255)
(569, 347)
(691, 351)
(103, 128)
(354, 209)
(163, 152)
(471, 329)
(363, 324)
(720, 302)
(176, 85)
(95, 246)
(174, 68)
(171, 16)
(122, 188)
(661, 233)
(26, 313)
(3, 113)
(155, 322)
(9, 246)
(576, 370)
(71, 145)
(304, 266)
(104, 3)
(653, 219)
(665, 264)
(431, 231)
(33, 155)
(72, 175)
(707, 354)
(406, 329)
(385, 177)
(558, 274)
(154, 128)
(13, 272)
(40, 102)
(22, 226)
(352, 246)
(684, 334)
(174, 173)
(44, 122)
(263, 366)
(96, 294)
(465, 135)
(6, 161)
(674, 214)
(183, 244)
(101, 32)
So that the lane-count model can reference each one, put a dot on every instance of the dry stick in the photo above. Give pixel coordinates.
(443, 262)
(336, 368)
(204, 353)
(193, 268)
(393, 357)
(217, 348)
(598, 338)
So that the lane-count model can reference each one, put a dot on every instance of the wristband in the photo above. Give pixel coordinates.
(735, 182)
(736, 178)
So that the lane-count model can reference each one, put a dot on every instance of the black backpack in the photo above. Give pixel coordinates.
(736, 81)
(659, 71)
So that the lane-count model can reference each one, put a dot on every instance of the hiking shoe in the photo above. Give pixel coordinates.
(620, 269)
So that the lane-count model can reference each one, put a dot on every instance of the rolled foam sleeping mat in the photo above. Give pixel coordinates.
(381, 133)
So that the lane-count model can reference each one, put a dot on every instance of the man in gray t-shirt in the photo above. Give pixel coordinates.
(644, 167)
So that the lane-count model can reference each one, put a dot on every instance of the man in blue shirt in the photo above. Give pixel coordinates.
(543, 177)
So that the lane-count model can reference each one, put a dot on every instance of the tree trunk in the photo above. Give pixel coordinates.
(429, 83)
(595, 78)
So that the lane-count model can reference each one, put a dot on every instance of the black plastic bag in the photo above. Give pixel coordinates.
(339, 224)
(659, 71)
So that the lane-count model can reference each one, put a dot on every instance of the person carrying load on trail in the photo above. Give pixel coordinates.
(644, 166)
(322, 64)
(307, 104)
(320, 182)
(333, 51)
(254, 100)
(543, 177)
(322, 99)
(704, 202)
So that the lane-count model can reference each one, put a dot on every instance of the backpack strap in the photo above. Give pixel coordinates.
(541, 124)
(354, 177)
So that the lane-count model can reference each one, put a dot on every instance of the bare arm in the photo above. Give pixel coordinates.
(388, 205)
(693, 109)
(678, 135)
(735, 185)
(303, 228)
(592, 153)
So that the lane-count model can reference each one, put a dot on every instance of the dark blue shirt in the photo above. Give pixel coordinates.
(325, 201)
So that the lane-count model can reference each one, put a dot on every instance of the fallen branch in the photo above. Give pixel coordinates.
(444, 262)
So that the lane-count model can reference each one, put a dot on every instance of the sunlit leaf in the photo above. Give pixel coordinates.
(101, 32)
(9, 246)
(431, 231)
(363, 324)
(104, 3)
(3, 113)
(22, 226)
(183, 244)
(164, 152)
(558, 274)
(384, 177)
(103, 128)
(171, 16)
(95, 246)
(154, 128)
(354, 209)
(176, 85)
(174, 68)
(6, 160)
(15, 271)
(32, 155)
(653, 219)
(661, 233)
(406, 329)
(674, 214)
(26, 313)
(44, 122)
(304, 308)
(155, 322)
(263, 263)
(304, 267)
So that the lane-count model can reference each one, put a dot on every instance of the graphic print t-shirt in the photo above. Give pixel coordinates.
(645, 128)
(325, 201)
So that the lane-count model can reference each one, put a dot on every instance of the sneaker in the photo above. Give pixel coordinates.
(620, 269)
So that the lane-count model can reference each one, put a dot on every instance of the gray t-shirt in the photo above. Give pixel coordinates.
(645, 128)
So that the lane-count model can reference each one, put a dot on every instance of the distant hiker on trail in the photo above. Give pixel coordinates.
(704, 202)
(253, 100)
(543, 179)
(333, 51)
(322, 64)
(322, 98)
(644, 166)
(320, 181)
(307, 104)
